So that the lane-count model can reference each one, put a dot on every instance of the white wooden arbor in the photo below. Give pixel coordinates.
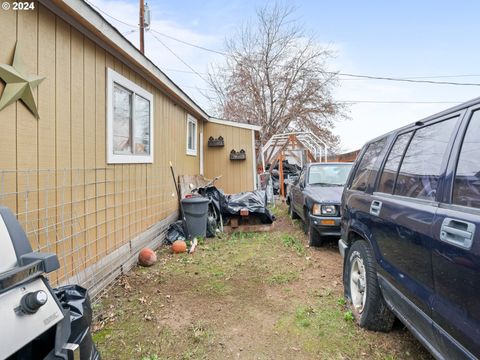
(298, 145)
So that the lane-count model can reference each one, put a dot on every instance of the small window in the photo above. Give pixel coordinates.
(422, 165)
(466, 189)
(387, 180)
(367, 169)
(129, 121)
(191, 135)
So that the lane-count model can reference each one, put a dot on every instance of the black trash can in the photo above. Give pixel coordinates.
(195, 210)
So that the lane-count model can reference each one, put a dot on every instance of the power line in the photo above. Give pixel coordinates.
(440, 76)
(403, 79)
(160, 41)
(110, 16)
(371, 77)
(396, 102)
(183, 71)
(159, 33)
(129, 32)
(359, 76)
(424, 77)
(406, 77)
(354, 101)
(179, 58)
(190, 44)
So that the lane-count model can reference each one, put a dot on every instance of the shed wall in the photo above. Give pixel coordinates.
(237, 175)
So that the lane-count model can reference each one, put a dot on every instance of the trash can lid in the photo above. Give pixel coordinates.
(195, 200)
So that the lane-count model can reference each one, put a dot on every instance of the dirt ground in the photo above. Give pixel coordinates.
(244, 296)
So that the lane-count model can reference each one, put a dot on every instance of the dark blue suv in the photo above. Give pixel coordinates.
(411, 232)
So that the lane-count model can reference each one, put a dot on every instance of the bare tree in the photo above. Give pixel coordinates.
(275, 76)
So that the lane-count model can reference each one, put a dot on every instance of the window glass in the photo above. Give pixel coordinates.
(367, 169)
(328, 175)
(387, 180)
(191, 135)
(421, 167)
(122, 120)
(129, 121)
(466, 189)
(142, 126)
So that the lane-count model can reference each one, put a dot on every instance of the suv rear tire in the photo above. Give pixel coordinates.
(362, 290)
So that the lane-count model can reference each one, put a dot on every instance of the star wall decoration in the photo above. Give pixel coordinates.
(19, 85)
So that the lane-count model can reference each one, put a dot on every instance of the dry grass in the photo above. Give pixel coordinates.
(252, 296)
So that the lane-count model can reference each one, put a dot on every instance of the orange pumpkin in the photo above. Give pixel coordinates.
(147, 257)
(179, 246)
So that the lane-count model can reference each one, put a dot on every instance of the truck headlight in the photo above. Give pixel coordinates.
(328, 210)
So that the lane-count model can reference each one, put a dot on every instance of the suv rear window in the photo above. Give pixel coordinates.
(421, 167)
(389, 174)
(367, 167)
(466, 190)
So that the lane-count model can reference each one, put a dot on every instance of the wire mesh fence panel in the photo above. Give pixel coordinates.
(95, 220)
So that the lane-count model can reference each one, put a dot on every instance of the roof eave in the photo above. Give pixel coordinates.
(234, 124)
(96, 25)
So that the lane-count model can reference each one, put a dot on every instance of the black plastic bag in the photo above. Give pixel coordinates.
(75, 298)
(175, 232)
(254, 201)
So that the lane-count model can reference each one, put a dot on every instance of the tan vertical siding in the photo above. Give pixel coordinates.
(77, 153)
(8, 138)
(27, 27)
(236, 175)
(89, 140)
(53, 171)
(46, 129)
(63, 143)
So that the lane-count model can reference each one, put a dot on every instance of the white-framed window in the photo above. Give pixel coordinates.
(129, 121)
(191, 135)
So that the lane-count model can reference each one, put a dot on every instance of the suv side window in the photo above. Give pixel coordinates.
(367, 166)
(466, 188)
(421, 167)
(389, 174)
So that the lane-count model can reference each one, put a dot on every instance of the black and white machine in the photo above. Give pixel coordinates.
(28, 305)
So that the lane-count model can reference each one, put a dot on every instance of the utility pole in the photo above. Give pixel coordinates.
(142, 26)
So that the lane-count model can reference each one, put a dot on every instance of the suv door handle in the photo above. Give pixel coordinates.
(457, 232)
(375, 207)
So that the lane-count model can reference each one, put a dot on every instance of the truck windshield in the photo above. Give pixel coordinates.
(328, 175)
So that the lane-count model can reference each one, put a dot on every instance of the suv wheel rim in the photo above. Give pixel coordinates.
(358, 284)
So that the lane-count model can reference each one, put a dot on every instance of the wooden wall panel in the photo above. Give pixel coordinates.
(119, 187)
(77, 128)
(80, 206)
(100, 161)
(89, 148)
(46, 129)
(236, 175)
(110, 230)
(27, 177)
(63, 144)
(8, 117)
